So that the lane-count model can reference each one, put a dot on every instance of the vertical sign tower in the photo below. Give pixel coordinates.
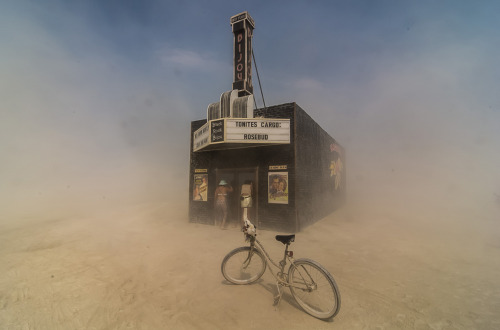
(243, 25)
(238, 102)
(262, 153)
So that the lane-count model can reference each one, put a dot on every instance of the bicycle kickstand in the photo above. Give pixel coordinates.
(277, 298)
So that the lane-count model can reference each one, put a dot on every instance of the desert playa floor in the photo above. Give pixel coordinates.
(146, 267)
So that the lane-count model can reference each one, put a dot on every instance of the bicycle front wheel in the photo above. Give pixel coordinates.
(314, 289)
(243, 266)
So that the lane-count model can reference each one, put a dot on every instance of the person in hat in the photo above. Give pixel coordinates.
(221, 202)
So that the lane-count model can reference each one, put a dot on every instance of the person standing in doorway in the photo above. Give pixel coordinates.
(221, 202)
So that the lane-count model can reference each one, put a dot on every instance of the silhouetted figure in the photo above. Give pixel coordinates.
(221, 202)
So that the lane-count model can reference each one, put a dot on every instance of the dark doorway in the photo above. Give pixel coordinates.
(237, 178)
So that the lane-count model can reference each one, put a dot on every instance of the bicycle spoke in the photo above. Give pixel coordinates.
(241, 266)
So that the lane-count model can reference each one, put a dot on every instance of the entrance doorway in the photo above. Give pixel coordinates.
(237, 178)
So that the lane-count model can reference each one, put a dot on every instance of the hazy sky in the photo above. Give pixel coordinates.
(96, 97)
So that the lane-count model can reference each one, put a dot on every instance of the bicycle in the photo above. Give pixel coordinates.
(311, 285)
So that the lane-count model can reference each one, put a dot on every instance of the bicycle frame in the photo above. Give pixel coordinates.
(281, 277)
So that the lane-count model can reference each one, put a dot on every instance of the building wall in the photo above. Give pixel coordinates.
(317, 153)
(199, 211)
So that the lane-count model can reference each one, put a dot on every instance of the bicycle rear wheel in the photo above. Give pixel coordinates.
(314, 289)
(241, 266)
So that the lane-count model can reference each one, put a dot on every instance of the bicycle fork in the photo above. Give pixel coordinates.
(249, 258)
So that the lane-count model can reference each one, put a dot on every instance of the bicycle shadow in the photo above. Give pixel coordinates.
(285, 295)
(272, 289)
(226, 282)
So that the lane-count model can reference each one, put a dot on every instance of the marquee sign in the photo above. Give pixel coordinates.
(258, 130)
(242, 130)
(200, 137)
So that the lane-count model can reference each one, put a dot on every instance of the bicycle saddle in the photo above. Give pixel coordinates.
(285, 239)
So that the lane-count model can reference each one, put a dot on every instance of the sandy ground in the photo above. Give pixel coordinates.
(145, 267)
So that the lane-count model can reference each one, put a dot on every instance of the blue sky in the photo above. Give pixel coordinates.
(97, 96)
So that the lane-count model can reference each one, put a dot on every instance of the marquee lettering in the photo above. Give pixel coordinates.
(255, 136)
(202, 142)
(246, 124)
(270, 124)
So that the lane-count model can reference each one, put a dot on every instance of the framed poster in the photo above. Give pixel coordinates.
(277, 188)
(336, 166)
(200, 187)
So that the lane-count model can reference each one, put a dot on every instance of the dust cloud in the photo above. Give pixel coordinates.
(93, 203)
(94, 231)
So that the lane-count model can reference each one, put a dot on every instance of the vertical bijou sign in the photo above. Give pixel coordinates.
(243, 26)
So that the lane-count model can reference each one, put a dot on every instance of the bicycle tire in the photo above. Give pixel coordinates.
(315, 289)
(233, 269)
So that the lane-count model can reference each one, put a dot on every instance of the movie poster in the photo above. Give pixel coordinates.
(200, 187)
(336, 166)
(278, 187)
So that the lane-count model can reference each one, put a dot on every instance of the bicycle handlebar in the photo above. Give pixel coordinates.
(249, 229)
